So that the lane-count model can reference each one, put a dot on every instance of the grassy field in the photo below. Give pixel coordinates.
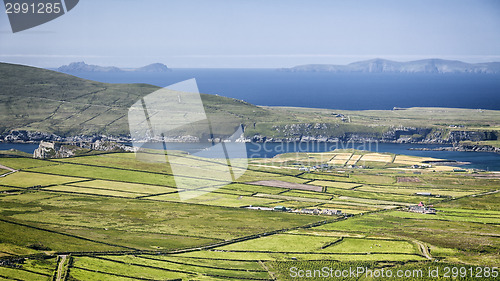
(462, 236)
(125, 187)
(26, 179)
(98, 206)
(309, 244)
(103, 173)
(336, 184)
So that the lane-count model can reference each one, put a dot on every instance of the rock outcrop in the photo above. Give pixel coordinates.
(64, 150)
(22, 136)
(51, 150)
(456, 136)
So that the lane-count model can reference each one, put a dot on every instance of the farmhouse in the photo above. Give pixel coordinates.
(276, 208)
(422, 209)
(308, 211)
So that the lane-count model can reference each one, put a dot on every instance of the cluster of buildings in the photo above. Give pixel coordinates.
(315, 211)
(421, 166)
(328, 168)
(316, 167)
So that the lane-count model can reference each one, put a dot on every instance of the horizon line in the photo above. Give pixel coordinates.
(125, 68)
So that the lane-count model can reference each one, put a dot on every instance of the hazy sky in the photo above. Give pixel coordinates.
(257, 33)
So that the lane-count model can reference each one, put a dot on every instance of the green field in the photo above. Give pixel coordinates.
(336, 184)
(26, 179)
(123, 219)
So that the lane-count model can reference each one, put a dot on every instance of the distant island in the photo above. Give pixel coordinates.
(388, 66)
(83, 67)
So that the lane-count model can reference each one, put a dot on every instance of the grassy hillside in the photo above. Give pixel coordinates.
(47, 101)
(53, 102)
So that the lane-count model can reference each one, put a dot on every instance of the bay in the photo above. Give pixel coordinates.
(478, 160)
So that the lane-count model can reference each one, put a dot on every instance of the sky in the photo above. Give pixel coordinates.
(257, 33)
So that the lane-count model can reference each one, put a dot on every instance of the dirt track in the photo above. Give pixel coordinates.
(60, 267)
(7, 168)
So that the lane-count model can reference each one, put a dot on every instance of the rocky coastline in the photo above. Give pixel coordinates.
(47, 150)
(398, 136)
(22, 136)
(463, 148)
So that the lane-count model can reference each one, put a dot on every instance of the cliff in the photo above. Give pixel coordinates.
(322, 132)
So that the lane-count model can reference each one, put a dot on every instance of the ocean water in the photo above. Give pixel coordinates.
(350, 91)
(478, 160)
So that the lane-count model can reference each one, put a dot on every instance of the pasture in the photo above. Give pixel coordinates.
(97, 207)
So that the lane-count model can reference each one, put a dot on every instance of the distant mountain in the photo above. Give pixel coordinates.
(75, 67)
(154, 67)
(388, 66)
(83, 67)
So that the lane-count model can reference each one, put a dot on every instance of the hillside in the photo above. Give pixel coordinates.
(42, 100)
(39, 100)
(388, 66)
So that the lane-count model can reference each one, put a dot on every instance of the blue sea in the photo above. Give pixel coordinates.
(350, 91)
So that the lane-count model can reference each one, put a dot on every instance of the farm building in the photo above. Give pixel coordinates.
(309, 211)
(329, 212)
(422, 209)
(424, 193)
(280, 208)
(259, 208)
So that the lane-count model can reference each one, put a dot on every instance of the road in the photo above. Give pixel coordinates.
(424, 249)
(60, 267)
(7, 168)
